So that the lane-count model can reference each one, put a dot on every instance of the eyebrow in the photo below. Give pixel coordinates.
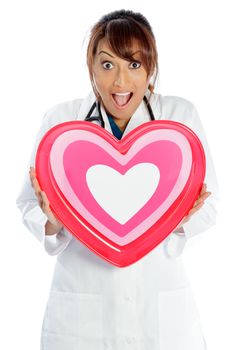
(105, 53)
(113, 56)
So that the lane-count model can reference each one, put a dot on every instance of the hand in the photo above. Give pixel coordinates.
(197, 205)
(53, 225)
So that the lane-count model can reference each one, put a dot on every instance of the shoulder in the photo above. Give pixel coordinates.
(62, 112)
(59, 113)
(176, 102)
(178, 108)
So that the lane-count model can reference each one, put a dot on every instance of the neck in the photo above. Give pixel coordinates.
(121, 123)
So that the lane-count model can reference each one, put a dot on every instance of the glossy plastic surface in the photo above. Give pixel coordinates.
(121, 198)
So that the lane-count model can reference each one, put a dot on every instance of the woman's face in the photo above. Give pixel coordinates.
(120, 83)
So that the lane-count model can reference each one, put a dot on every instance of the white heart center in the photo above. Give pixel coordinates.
(122, 196)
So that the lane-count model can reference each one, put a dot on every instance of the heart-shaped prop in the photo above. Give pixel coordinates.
(121, 198)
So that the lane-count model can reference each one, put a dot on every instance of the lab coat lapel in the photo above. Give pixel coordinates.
(86, 105)
(85, 108)
(140, 116)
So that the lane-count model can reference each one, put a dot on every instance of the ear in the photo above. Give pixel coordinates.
(153, 77)
(95, 90)
(94, 82)
(148, 79)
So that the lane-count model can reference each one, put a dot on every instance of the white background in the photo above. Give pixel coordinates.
(43, 63)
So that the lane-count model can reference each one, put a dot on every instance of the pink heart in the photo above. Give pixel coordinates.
(72, 151)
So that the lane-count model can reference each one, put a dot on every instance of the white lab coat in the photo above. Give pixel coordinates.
(94, 305)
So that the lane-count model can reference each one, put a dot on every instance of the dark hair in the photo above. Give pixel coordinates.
(120, 29)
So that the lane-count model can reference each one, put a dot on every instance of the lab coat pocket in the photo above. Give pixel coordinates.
(179, 321)
(76, 315)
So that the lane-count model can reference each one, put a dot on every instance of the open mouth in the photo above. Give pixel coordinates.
(122, 99)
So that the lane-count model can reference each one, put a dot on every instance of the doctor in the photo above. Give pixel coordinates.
(93, 305)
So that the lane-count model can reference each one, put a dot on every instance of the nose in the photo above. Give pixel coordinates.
(121, 77)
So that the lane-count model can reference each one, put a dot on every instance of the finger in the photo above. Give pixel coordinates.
(34, 181)
(198, 204)
(45, 200)
(195, 209)
(31, 168)
(185, 219)
(32, 175)
(202, 198)
(47, 210)
(36, 186)
(203, 190)
(39, 199)
(32, 172)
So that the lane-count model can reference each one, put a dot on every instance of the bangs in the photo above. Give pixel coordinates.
(124, 37)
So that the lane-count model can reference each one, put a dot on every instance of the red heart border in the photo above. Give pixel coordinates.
(115, 254)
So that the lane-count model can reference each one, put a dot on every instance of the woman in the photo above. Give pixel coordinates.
(92, 304)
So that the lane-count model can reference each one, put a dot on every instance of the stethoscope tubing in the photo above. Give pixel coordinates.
(100, 119)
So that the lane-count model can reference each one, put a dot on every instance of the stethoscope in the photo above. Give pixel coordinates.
(100, 119)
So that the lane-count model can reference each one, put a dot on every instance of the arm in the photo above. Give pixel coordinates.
(205, 216)
(34, 207)
(52, 225)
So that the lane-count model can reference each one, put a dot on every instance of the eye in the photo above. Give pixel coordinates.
(135, 65)
(107, 65)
